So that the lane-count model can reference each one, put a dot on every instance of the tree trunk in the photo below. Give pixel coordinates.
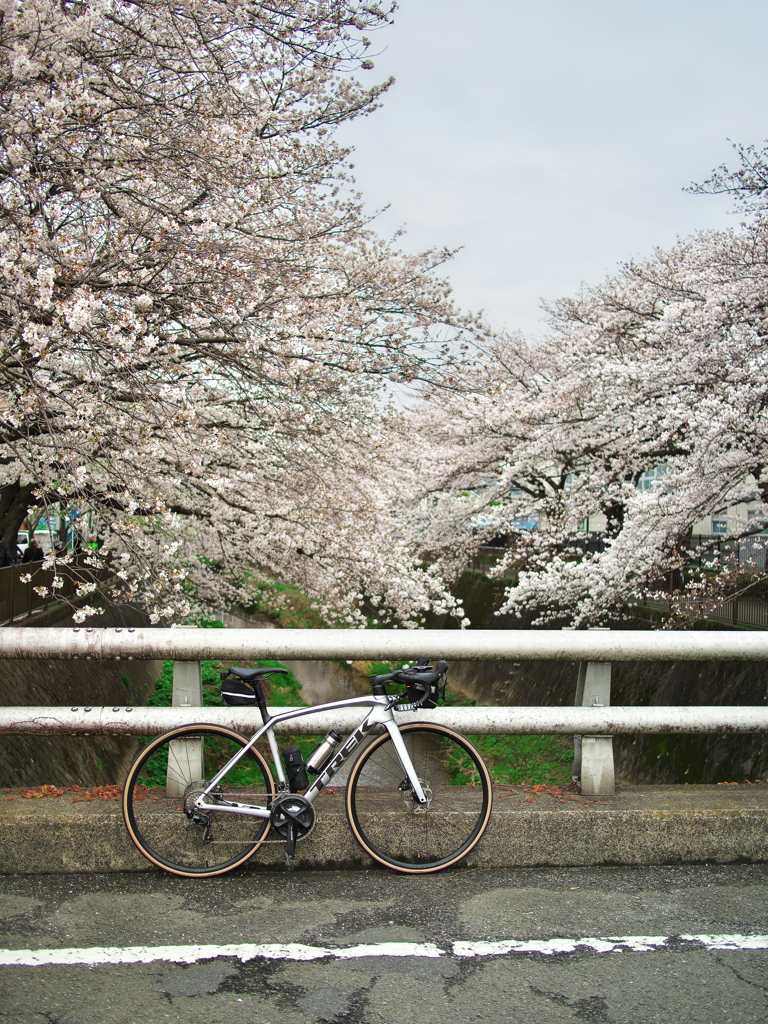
(63, 526)
(14, 503)
(614, 518)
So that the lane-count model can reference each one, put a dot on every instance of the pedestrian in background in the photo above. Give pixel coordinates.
(34, 552)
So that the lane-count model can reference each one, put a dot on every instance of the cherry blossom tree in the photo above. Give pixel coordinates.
(663, 367)
(197, 323)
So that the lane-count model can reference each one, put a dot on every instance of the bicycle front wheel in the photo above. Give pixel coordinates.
(387, 820)
(159, 794)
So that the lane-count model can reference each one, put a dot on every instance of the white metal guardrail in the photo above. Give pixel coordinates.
(593, 721)
(490, 721)
(383, 644)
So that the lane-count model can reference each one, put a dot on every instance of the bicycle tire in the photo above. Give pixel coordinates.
(389, 824)
(154, 799)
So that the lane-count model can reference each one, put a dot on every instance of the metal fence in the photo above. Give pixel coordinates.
(749, 609)
(26, 589)
(747, 552)
(709, 550)
(189, 644)
(593, 721)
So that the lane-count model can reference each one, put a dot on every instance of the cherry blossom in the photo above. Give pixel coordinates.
(660, 371)
(198, 324)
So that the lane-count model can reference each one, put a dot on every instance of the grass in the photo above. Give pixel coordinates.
(522, 760)
(281, 690)
(527, 760)
(512, 760)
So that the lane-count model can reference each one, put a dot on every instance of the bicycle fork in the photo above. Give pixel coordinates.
(405, 763)
(379, 715)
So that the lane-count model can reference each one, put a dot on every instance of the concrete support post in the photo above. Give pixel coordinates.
(593, 755)
(577, 736)
(187, 684)
(596, 768)
(597, 773)
(185, 757)
(597, 685)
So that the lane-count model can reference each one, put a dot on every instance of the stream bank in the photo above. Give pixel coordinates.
(640, 759)
(68, 760)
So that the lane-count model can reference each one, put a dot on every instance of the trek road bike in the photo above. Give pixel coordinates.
(201, 799)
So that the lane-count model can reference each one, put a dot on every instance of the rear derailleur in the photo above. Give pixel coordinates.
(199, 817)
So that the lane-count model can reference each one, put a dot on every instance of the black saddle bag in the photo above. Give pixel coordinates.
(237, 692)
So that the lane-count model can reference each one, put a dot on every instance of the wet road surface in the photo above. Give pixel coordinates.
(614, 945)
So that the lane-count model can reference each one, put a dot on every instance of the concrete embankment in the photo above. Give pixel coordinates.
(653, 759)
(63, 760)
(640, 825)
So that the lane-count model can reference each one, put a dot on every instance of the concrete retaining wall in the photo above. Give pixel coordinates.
(64, 760)
(640, 825)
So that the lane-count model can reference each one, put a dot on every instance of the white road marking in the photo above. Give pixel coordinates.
(389, 949)
(611, 944)
(638, 943)
(729, 941)
(296, 951)
(191, 954)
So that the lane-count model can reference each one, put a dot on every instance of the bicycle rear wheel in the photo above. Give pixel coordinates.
(161, 787)
(388, 822)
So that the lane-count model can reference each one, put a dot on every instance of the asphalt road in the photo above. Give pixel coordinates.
(371, 947)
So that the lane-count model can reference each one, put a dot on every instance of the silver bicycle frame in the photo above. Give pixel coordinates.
(381, 714)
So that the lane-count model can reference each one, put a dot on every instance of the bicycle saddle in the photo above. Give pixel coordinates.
(249, 674)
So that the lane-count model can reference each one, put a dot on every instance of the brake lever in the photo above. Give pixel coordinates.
(421, 701)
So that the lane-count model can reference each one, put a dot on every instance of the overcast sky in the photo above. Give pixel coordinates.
(552, 139)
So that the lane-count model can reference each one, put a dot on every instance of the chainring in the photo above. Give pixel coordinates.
(290, 808)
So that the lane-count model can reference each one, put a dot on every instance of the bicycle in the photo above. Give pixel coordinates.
(200, 800)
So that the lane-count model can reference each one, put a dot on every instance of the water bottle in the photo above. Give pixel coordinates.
(322, 752)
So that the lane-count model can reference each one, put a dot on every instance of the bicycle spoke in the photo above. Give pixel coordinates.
(389, 822)
(162, 785)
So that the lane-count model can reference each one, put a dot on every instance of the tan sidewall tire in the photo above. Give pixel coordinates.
(357, 767)
(128, 789)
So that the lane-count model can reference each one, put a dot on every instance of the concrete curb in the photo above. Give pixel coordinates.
(640, 825)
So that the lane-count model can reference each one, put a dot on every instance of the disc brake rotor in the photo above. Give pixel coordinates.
(413, 804)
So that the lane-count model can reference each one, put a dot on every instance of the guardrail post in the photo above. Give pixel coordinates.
(185, 757)
(593, 755)
(577, 737)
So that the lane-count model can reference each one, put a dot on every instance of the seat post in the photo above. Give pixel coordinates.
(261, 701)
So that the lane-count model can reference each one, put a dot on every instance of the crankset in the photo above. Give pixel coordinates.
(293, 818)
